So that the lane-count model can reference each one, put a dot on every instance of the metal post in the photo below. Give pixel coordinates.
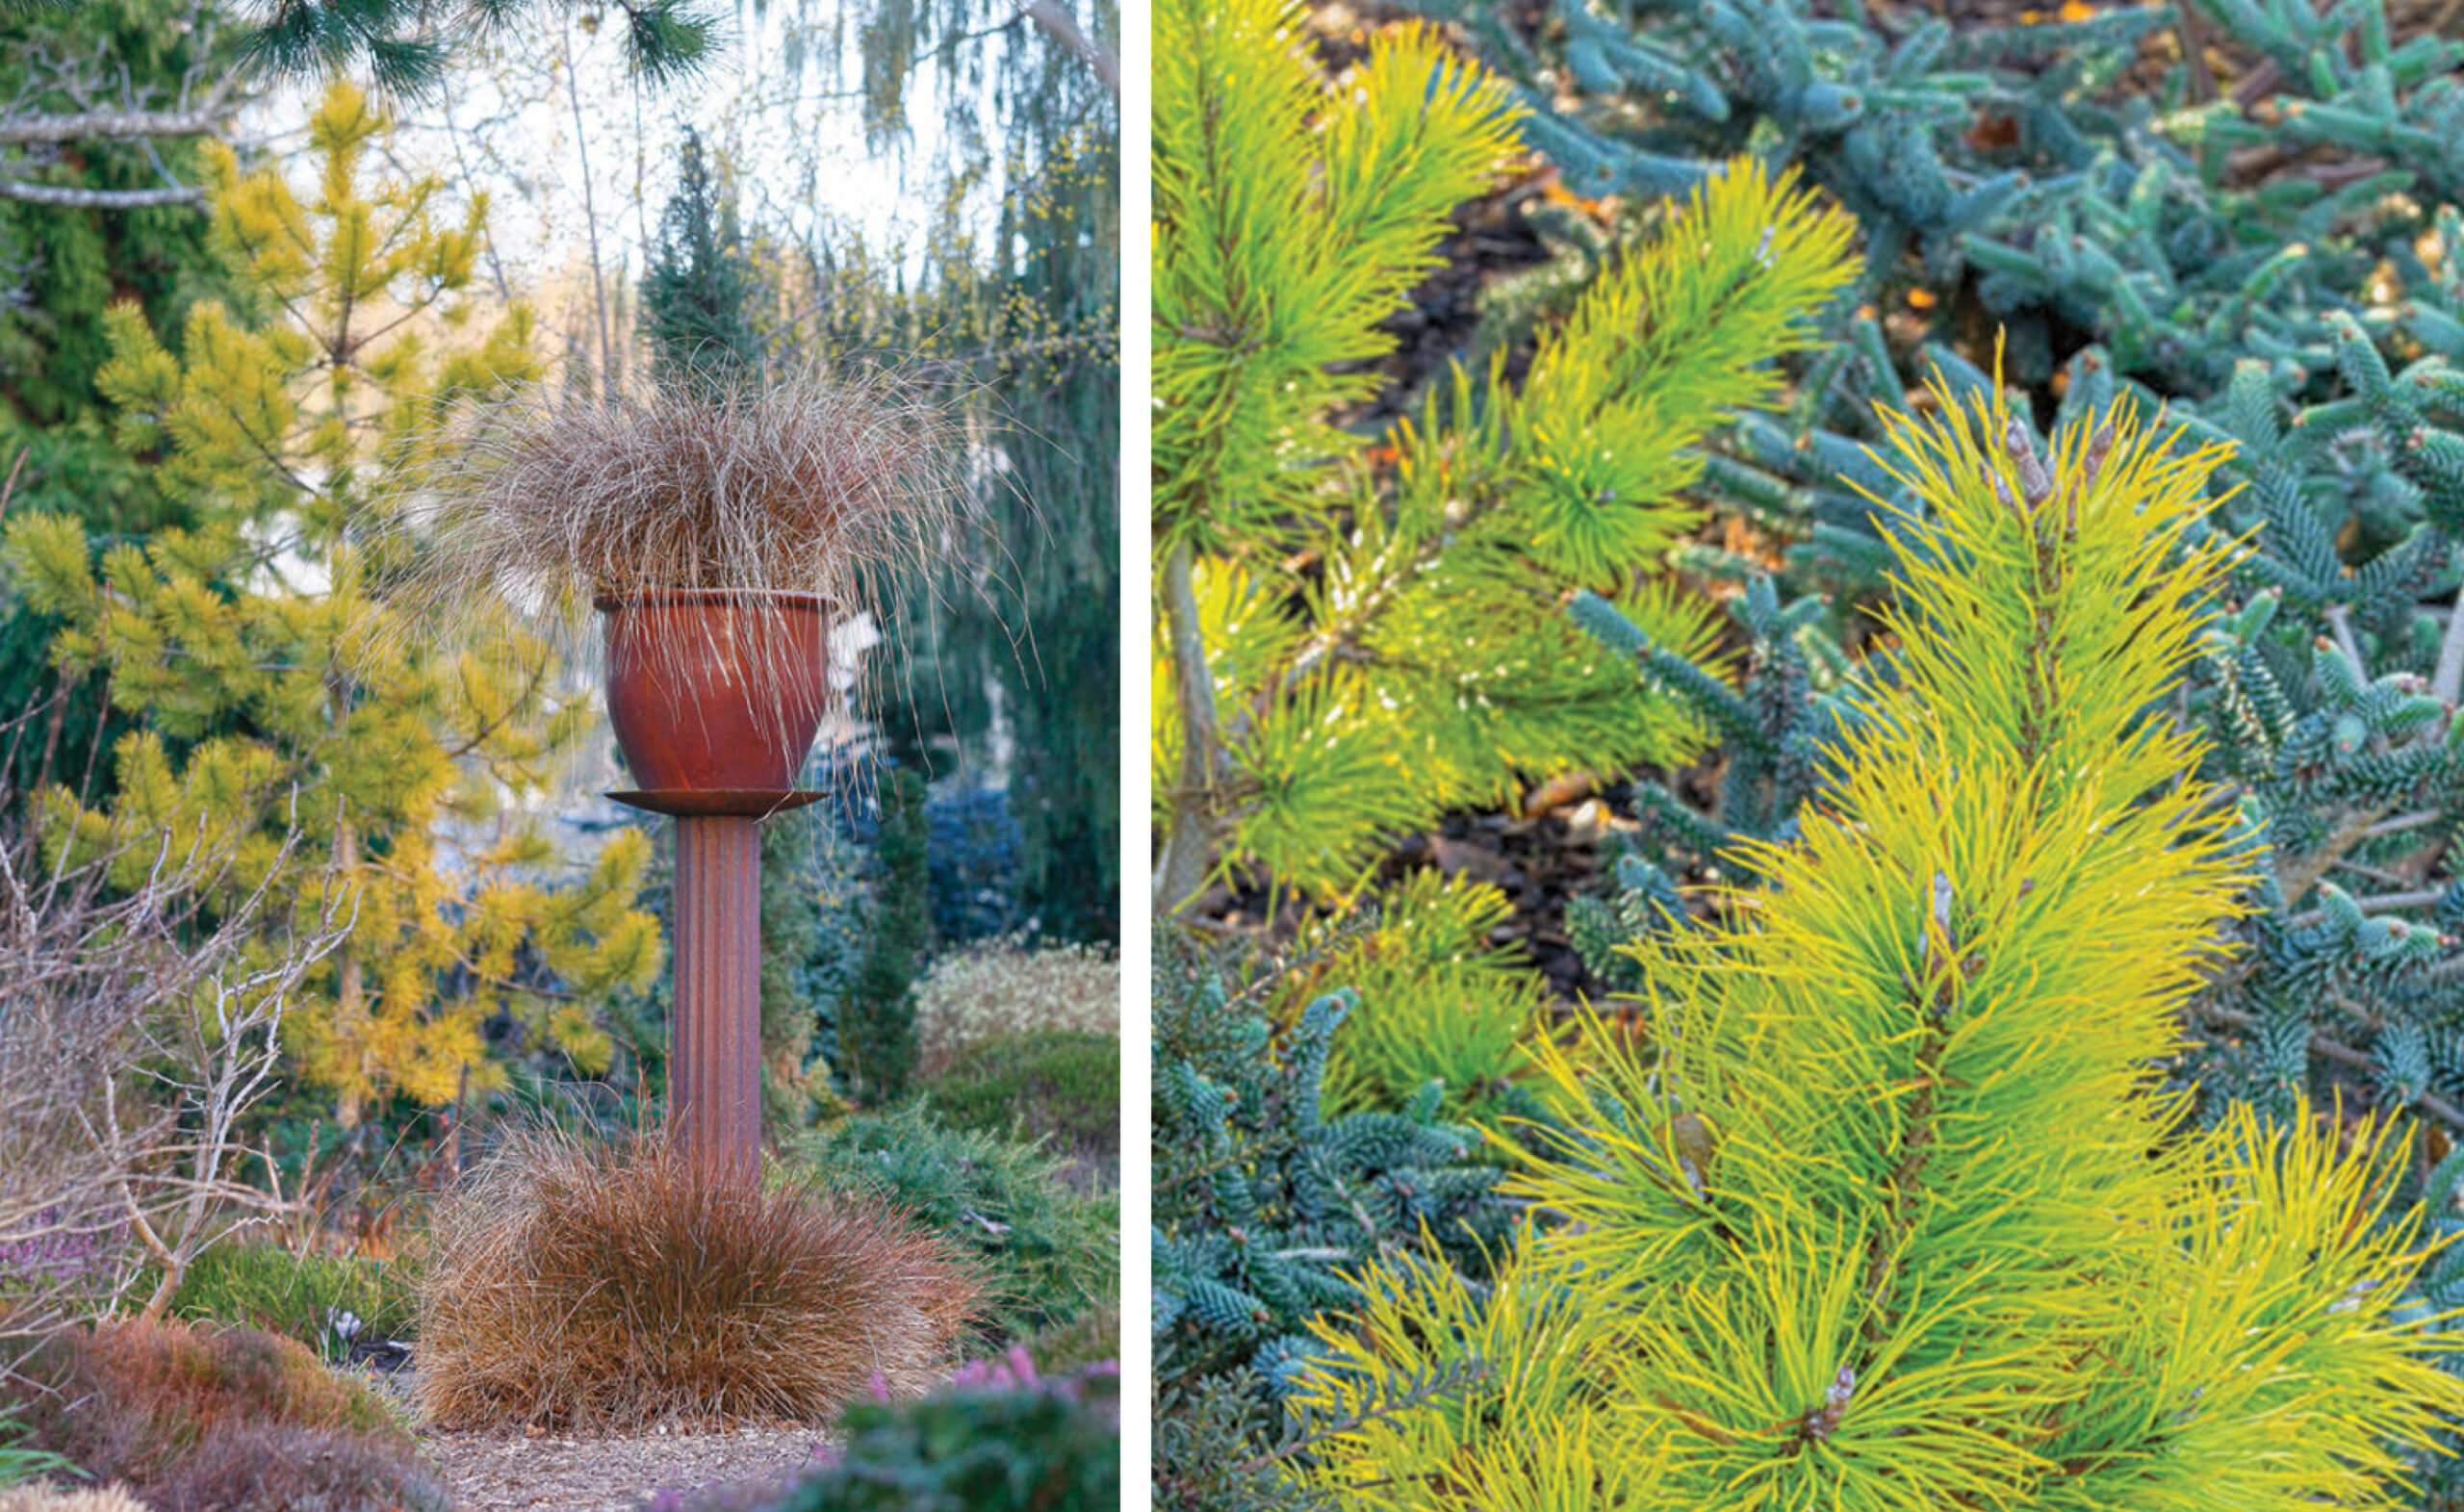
(714, 1070)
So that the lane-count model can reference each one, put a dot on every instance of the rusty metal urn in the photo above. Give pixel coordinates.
(715, 697)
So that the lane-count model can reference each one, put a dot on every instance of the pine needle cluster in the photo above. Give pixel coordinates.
(1891, 1208)
(1352, 638)
(1423, 660)
(404, 46)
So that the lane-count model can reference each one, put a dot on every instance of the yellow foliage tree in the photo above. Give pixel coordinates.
(1891, 1210)
(293, 714)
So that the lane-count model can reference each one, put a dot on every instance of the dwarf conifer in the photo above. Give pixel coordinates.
(1352, 650)
(1889, 1208)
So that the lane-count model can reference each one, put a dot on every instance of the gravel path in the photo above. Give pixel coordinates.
(498, 1469)
(491, 1471)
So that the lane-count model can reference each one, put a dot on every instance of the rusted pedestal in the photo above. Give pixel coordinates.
(714, 1038)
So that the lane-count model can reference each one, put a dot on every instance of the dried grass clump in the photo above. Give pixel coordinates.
(611, 1286)
(1003, 988)
(822, 482)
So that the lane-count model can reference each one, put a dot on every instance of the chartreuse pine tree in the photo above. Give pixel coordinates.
(282, 698)
(1890, 1211)
(1344, 661)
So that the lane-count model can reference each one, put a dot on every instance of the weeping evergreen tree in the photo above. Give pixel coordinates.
(1014, 297)
(1017, 310)
(1890, 1209)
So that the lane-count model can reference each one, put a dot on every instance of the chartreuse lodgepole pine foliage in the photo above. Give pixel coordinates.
(1344, 661)
(1891, 1210)
(1439, 1011)
(2324, 693)
(283, 696)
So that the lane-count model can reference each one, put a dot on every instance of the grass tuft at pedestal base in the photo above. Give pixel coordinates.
(607, 1287)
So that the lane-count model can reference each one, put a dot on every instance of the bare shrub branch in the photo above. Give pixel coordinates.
(142, 1001)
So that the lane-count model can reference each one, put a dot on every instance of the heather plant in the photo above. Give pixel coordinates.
(1009, 986)
(1864, 1220)
(275, 1467)
(606, 1286)
(1091, 1338)
(191, 1414)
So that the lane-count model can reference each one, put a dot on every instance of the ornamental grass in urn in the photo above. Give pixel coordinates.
(721, 531)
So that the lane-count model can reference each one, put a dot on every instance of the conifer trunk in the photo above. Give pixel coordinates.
(1189, 844)
(350, 988)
